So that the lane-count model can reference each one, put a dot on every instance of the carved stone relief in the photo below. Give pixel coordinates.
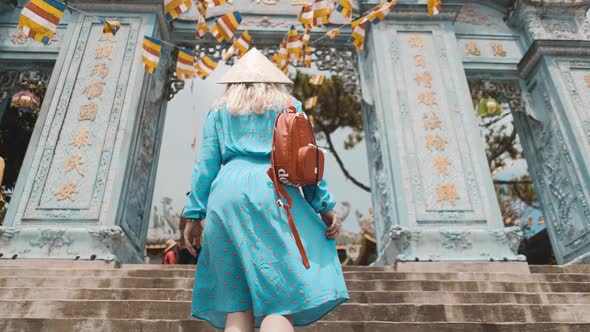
(11, 37)
(107, 237)
(456, 239)
(583, 23)
(51, 239)
(565, 204)
(470, 14)
(380, 181)
(403, 238)
(560, 28)
(503, 90)
(341, 61)
(510, 236)
(13, 75)
(63, 130)
(137, 201)
(8, 233)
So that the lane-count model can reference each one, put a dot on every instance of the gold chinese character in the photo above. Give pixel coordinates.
(100, 69)
(420, 61)
(587, 79)
(435, 142)
(75, 162)
(416, 41)
(104, 51)
(442, 165)
(81, 138)
(498, 49)
(67, 190)
(426, 98)
(94, 89)
(87, 112)
(424, 78)
(447, 193)
(107, 37)
(431, 122)
(472, 49)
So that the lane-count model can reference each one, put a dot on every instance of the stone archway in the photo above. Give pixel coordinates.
(432, 201)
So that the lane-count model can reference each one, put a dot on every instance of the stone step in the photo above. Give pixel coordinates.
(156, 325)
(560, 269)
(420, 297)
(360, 285)
(61, 263)
(349, 275)
(485, 313)
(506, 267)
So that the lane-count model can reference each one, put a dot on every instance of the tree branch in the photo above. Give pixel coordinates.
(511, 182)
(496, 120)
(523, 198)
(507, 144)
(341, 163)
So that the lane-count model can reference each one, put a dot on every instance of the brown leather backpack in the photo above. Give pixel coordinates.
(295, 160)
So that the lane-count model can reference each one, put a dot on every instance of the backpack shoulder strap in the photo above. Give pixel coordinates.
(289, 105)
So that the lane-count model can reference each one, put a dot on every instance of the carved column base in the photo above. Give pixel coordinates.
(96, 243)
(583, 259)
(451, 244)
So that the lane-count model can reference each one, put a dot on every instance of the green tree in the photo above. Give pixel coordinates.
(335, 109)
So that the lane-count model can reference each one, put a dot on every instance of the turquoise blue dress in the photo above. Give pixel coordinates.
(249, 259)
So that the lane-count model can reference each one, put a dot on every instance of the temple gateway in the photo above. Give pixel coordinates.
(84, 189)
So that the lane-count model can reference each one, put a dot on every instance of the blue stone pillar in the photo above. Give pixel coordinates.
(556, 72)
(85, 188)
(432, 190)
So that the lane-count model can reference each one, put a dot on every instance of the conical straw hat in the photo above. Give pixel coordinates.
(254, 67)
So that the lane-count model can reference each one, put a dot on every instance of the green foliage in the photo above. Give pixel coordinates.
(335, 107)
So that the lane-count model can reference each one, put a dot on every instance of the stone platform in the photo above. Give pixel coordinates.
(98, 296)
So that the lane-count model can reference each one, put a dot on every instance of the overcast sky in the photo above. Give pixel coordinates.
(184, 121)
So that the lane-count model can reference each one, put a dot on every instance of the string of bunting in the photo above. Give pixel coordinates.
(39, 20)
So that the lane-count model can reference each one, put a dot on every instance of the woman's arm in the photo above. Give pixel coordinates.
(204, 171)
(319, 197)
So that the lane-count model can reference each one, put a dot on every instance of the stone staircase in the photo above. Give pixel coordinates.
(98, 296)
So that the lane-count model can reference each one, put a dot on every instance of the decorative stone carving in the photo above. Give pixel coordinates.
(52, 238)
(139, 190)
(62, 126)
(17, 73)
(532, 23)
(470, 14)
(583, 23)
(403, 238)
(8, 233)
(560, 28)
(507, 91)
(455, 239)
(108, 237)
(12, 37)
(340, 61)
(173, 84)
(510, 236)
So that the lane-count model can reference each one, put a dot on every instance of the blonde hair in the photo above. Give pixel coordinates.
(247, 98)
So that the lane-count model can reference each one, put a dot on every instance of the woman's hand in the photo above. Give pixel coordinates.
(193, 232)
(333, 222)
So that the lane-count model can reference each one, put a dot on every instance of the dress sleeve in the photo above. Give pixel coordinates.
(204, 171)
(318, 196)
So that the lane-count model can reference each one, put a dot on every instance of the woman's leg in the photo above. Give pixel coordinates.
(276, 323)
(241, 321)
